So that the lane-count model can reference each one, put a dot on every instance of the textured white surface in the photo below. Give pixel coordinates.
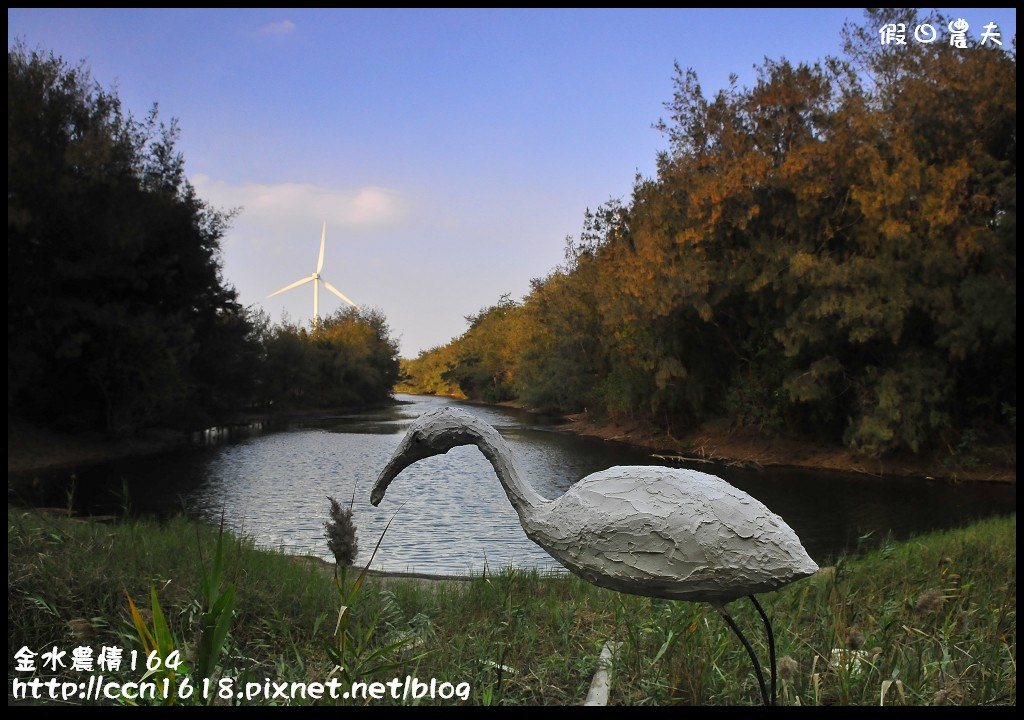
(646, 530)
(602, 682)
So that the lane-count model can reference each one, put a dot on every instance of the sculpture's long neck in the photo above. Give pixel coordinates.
(520, 493)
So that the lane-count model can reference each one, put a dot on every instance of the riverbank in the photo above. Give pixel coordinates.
(924, 622)
(34, 448)
(31, 448)
(719, 443)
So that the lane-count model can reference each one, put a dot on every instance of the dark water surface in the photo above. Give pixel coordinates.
(452, 513)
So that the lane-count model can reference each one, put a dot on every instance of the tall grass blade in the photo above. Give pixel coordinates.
(359, 580)
(148, 642)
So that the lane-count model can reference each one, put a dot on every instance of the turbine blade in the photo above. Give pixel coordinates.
(323, 236)
(295, 284)
(338, 293)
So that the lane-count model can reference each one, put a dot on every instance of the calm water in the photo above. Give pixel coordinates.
(451, 513)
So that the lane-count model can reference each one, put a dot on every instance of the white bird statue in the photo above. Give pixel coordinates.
(645, 530)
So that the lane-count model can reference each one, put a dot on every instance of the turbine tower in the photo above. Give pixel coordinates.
(316, 280)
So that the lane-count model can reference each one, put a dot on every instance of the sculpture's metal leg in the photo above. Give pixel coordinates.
(750, 652)
(771, 641)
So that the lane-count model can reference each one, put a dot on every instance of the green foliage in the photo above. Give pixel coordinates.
(360, 654)
(563, 358)
(164, 652)
(756, 396)
(931, 620)
(963, 456)
(426, 374)
(831, 252)
(485, 356)
(117, 312)
(218, 612)
(158, 646)
(118, 316)
(349, 359)
(901, 407)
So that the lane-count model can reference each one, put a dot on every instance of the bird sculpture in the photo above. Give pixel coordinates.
(645, 530)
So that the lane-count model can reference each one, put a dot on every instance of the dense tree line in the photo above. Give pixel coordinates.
(349, 359)
(829, 253)
(117, 312)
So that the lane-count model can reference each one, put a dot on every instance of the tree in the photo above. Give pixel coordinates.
(829, 253)
(486, 355)
(358, 358)
(350, 359)
(117, 312)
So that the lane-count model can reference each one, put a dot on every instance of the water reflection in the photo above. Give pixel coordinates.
(451, 513)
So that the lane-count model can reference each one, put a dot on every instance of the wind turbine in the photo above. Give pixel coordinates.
(316, 280)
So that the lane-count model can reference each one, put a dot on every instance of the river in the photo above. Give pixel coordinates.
(451, 515)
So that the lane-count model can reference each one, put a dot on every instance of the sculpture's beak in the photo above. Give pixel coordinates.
(408, 452)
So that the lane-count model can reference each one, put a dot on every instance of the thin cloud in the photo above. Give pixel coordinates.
(281, 27)
(287, 205)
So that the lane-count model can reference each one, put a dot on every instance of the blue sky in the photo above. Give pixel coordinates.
(450, 152)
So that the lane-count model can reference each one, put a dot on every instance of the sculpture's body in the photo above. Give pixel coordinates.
(645, 530)
(678, 534)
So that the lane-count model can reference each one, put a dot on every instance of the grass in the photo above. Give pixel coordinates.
(927, 621)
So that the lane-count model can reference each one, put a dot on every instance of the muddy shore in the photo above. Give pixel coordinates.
(720, 443)
(33, 448)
